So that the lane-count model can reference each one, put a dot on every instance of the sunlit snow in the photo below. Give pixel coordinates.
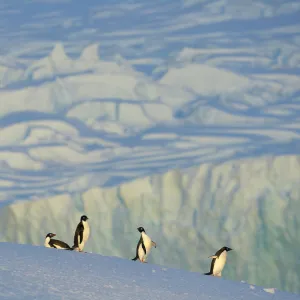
(181, 116)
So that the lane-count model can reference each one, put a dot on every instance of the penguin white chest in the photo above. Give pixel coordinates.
(86, 234)
(147, 243)
(86, 231)
(220, 263)
(46, 244)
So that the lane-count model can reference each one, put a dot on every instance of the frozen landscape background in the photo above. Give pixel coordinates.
(181, 116)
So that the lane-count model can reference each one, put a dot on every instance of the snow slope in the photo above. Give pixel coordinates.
(184, 114)
(29, 272)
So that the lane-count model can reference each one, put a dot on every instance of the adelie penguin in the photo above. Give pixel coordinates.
(218, 262)
(144, 246)
(82, 234)
(51, 243)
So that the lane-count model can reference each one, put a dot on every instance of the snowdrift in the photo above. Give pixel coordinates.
(29, 272)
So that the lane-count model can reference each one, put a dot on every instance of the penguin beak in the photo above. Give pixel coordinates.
(229, 249)
(53, 234)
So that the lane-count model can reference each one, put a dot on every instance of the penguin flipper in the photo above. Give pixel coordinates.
(78, 232)
(81, 235)
(213, 256)
(137, 249)
(144, 248)
(153, 244)
(51, 244)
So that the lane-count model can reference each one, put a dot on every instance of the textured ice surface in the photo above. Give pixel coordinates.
(192, 106)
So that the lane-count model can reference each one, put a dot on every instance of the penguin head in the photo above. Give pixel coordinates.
(227, 249)
(141, 229)
(50, 235)
(84, 218)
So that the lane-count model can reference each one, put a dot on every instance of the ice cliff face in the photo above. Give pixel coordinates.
(251, 205)
(95, 122)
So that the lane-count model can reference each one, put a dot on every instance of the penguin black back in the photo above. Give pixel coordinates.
(137, 248)
(59, 244)
(218, 253)
(140, 242)
(78, 232)
(82, 233)
(56, 243)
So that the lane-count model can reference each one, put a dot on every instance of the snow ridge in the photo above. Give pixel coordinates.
(40, 273)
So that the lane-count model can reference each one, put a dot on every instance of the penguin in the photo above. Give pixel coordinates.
(218, 262)
(82, 234)
(51, 243)
(144, 246)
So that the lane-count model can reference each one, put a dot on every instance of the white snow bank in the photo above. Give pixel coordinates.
(29, 272)
(204, 79)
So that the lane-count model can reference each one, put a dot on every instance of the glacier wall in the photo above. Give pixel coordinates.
(119, 93)
(251, 205)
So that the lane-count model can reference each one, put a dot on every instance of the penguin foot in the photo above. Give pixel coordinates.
(76, 249)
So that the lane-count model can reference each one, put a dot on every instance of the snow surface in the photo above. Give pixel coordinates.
(29, 272)
(180, 115)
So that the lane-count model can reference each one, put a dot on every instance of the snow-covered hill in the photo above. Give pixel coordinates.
(29, 272)
(181, 115)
